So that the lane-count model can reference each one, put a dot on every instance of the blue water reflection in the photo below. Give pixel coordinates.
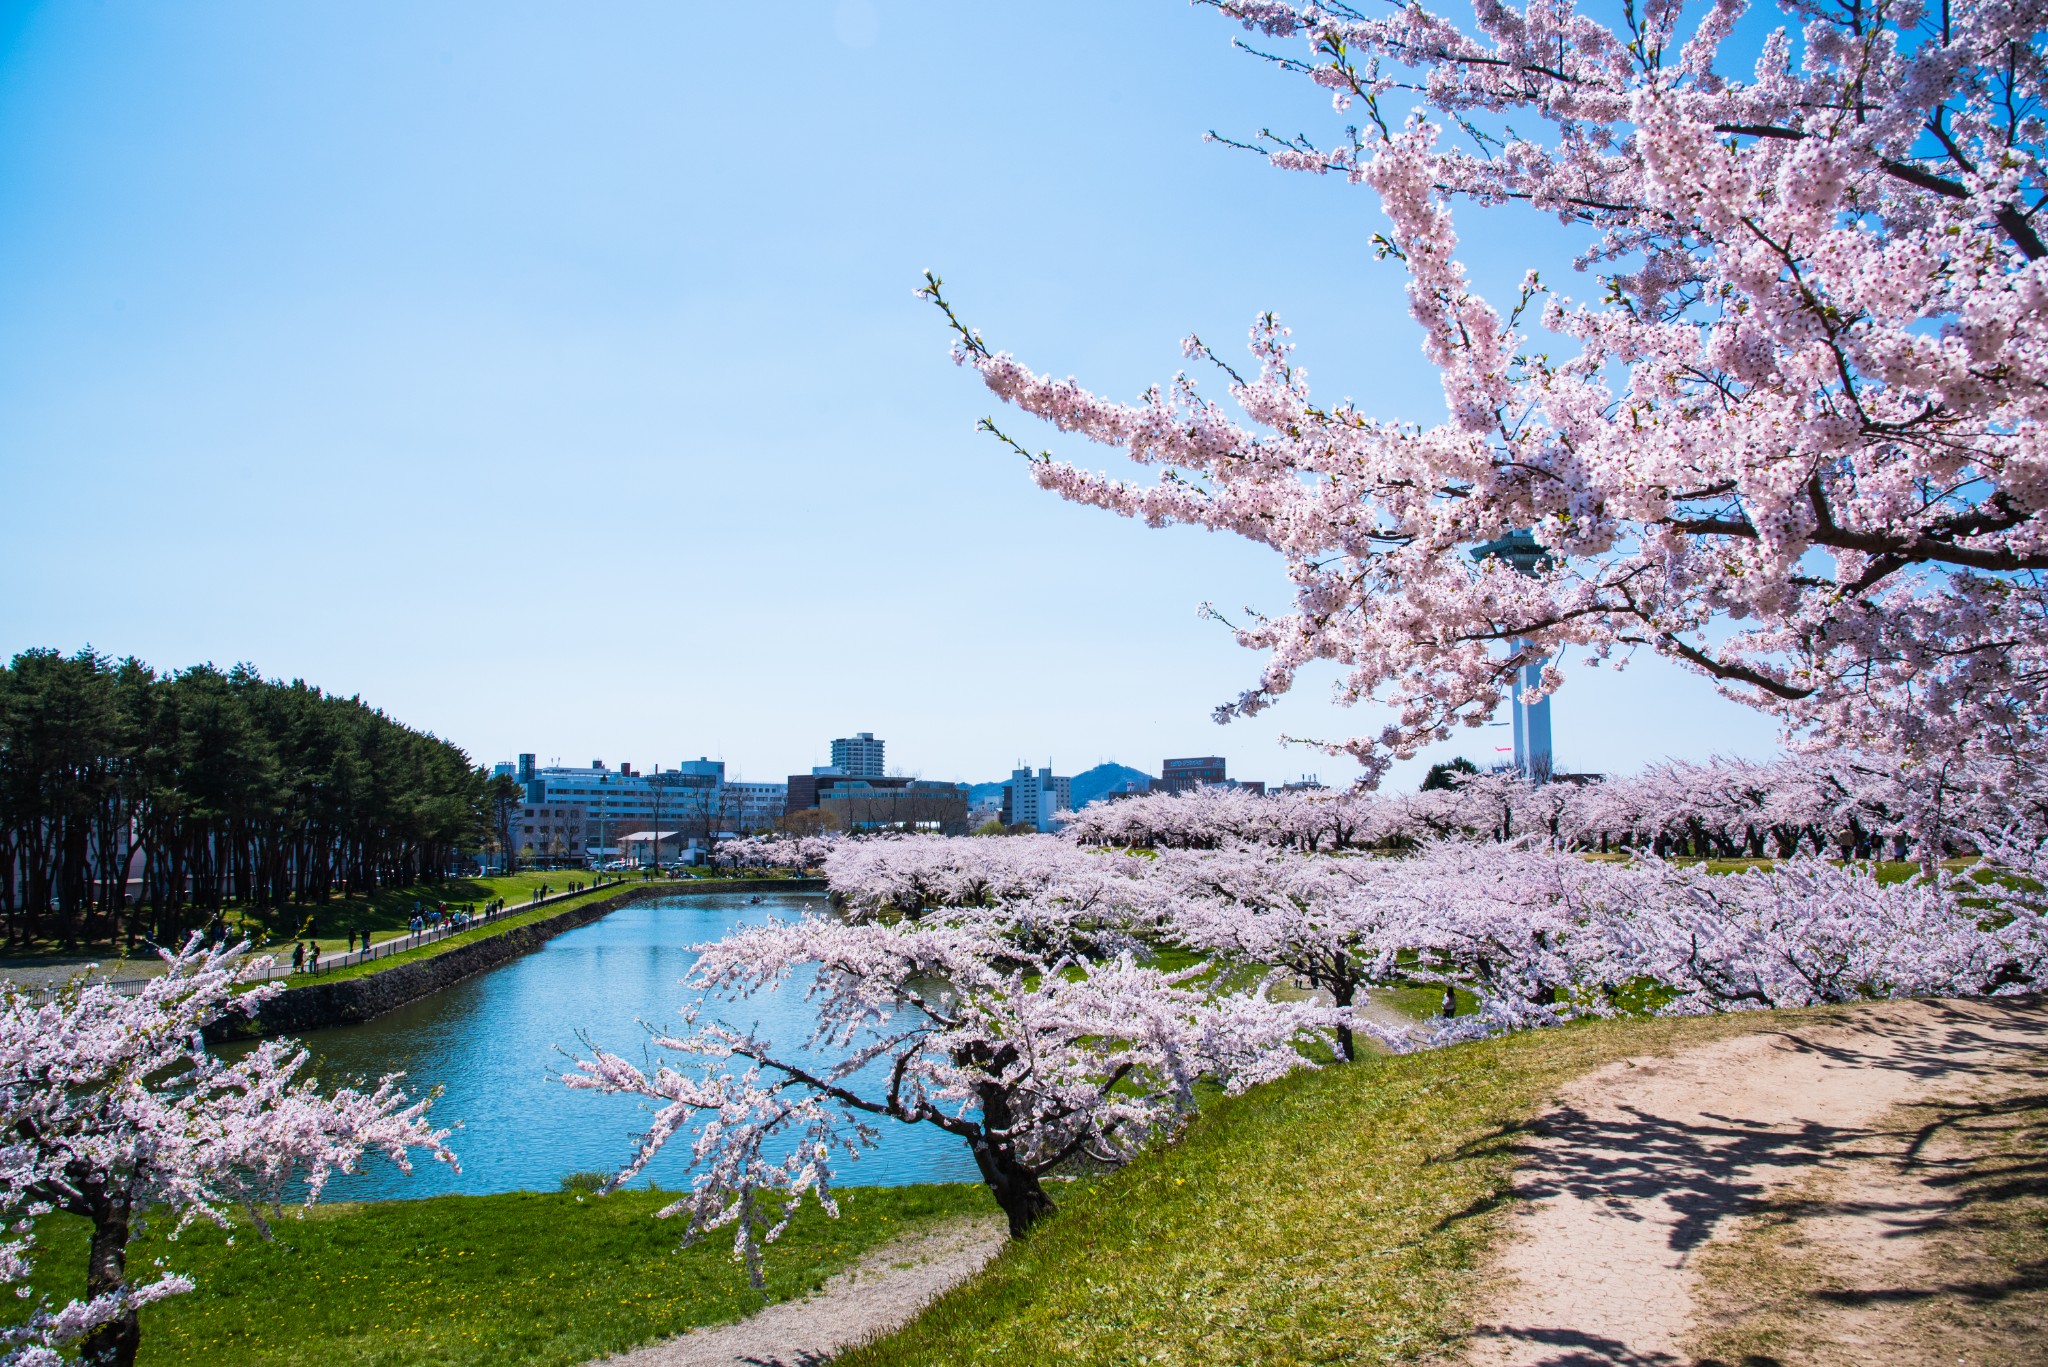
(492, 1043)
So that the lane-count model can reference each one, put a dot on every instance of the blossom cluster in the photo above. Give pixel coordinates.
(1009, 991)
(1014, 1030)
(1793, 440)
(1842, 804)
(113, 1108)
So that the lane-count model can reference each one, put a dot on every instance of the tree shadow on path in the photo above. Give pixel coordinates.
(1690, 1166)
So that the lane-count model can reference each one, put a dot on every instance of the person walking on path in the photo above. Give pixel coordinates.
(298, 957)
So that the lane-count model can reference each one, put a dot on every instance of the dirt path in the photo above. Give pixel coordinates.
(1644, 1163)
(880, 1293)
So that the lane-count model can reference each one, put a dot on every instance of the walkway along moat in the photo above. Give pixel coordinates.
(493, 1043)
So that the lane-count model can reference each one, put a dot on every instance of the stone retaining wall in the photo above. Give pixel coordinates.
(350, 1001)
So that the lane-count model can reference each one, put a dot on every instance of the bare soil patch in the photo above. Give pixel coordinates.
(1647, 1170)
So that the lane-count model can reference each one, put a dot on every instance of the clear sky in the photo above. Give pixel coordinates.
(550, 375)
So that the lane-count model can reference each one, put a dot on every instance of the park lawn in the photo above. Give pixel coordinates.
(1338, 1216)
(511, 920)
(387, 911)
(518, 1280)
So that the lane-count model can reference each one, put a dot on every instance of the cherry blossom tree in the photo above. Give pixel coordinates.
(1540, 935)
(1814, 931)
(911, 874)
(1324, 921)
(1789, 438)
(1030, 1059)
(113, 1109)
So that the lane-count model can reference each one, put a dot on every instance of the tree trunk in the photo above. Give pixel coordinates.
(114, 1343)
(1344, 993)
(1015, 1187)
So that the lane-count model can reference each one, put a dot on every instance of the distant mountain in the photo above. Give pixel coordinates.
(1093, 783)
(1088, 784)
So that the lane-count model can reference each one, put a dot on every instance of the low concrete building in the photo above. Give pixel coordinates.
(657, 847)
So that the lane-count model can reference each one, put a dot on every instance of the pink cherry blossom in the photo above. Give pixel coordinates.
(1791, 438)
(112, 1108)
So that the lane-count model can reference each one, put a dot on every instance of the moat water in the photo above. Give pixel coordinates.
(496, 1043)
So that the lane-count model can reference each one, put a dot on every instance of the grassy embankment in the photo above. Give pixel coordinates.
(385, 915)
(1339, 1216)
(1334, 1217)
(477, 1281)
(516, 889)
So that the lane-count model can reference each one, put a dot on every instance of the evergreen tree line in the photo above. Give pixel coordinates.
(140, 803)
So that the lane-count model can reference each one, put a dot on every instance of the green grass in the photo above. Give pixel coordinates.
(384, 913)
(1334, 1217)
(520, 1280)
(387, 911)
(509, 921)
(512, 919)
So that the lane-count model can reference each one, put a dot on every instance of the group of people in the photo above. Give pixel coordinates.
(425, 918)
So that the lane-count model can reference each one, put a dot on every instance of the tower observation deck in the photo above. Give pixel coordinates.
(1532, 720)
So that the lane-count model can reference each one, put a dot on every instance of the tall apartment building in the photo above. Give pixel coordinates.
(859, 756)
(1032, 799)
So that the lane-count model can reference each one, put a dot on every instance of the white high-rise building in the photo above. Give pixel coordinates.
(859, 756)
(1031, 799)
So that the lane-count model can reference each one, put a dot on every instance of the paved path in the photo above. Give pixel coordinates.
(880, 1293)
(1646, 1161)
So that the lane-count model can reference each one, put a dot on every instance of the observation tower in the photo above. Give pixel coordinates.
(1532, 720)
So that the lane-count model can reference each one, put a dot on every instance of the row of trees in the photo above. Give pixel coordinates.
(1845, 805)
(1006, 991)
(139, 802)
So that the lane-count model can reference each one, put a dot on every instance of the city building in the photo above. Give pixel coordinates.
(1180, 775)
(549, 833)
(1032, 799)
(1201, 771)
(892, 804)
(756, 806)
(859, 756)
(618, 802)
(800, 793)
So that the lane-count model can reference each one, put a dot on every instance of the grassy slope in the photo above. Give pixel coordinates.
(516, 890)
(1335, 1217)
(513, 919)
(384, 913)
(521, 1280)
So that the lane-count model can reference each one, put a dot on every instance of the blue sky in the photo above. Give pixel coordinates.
(550, 375)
